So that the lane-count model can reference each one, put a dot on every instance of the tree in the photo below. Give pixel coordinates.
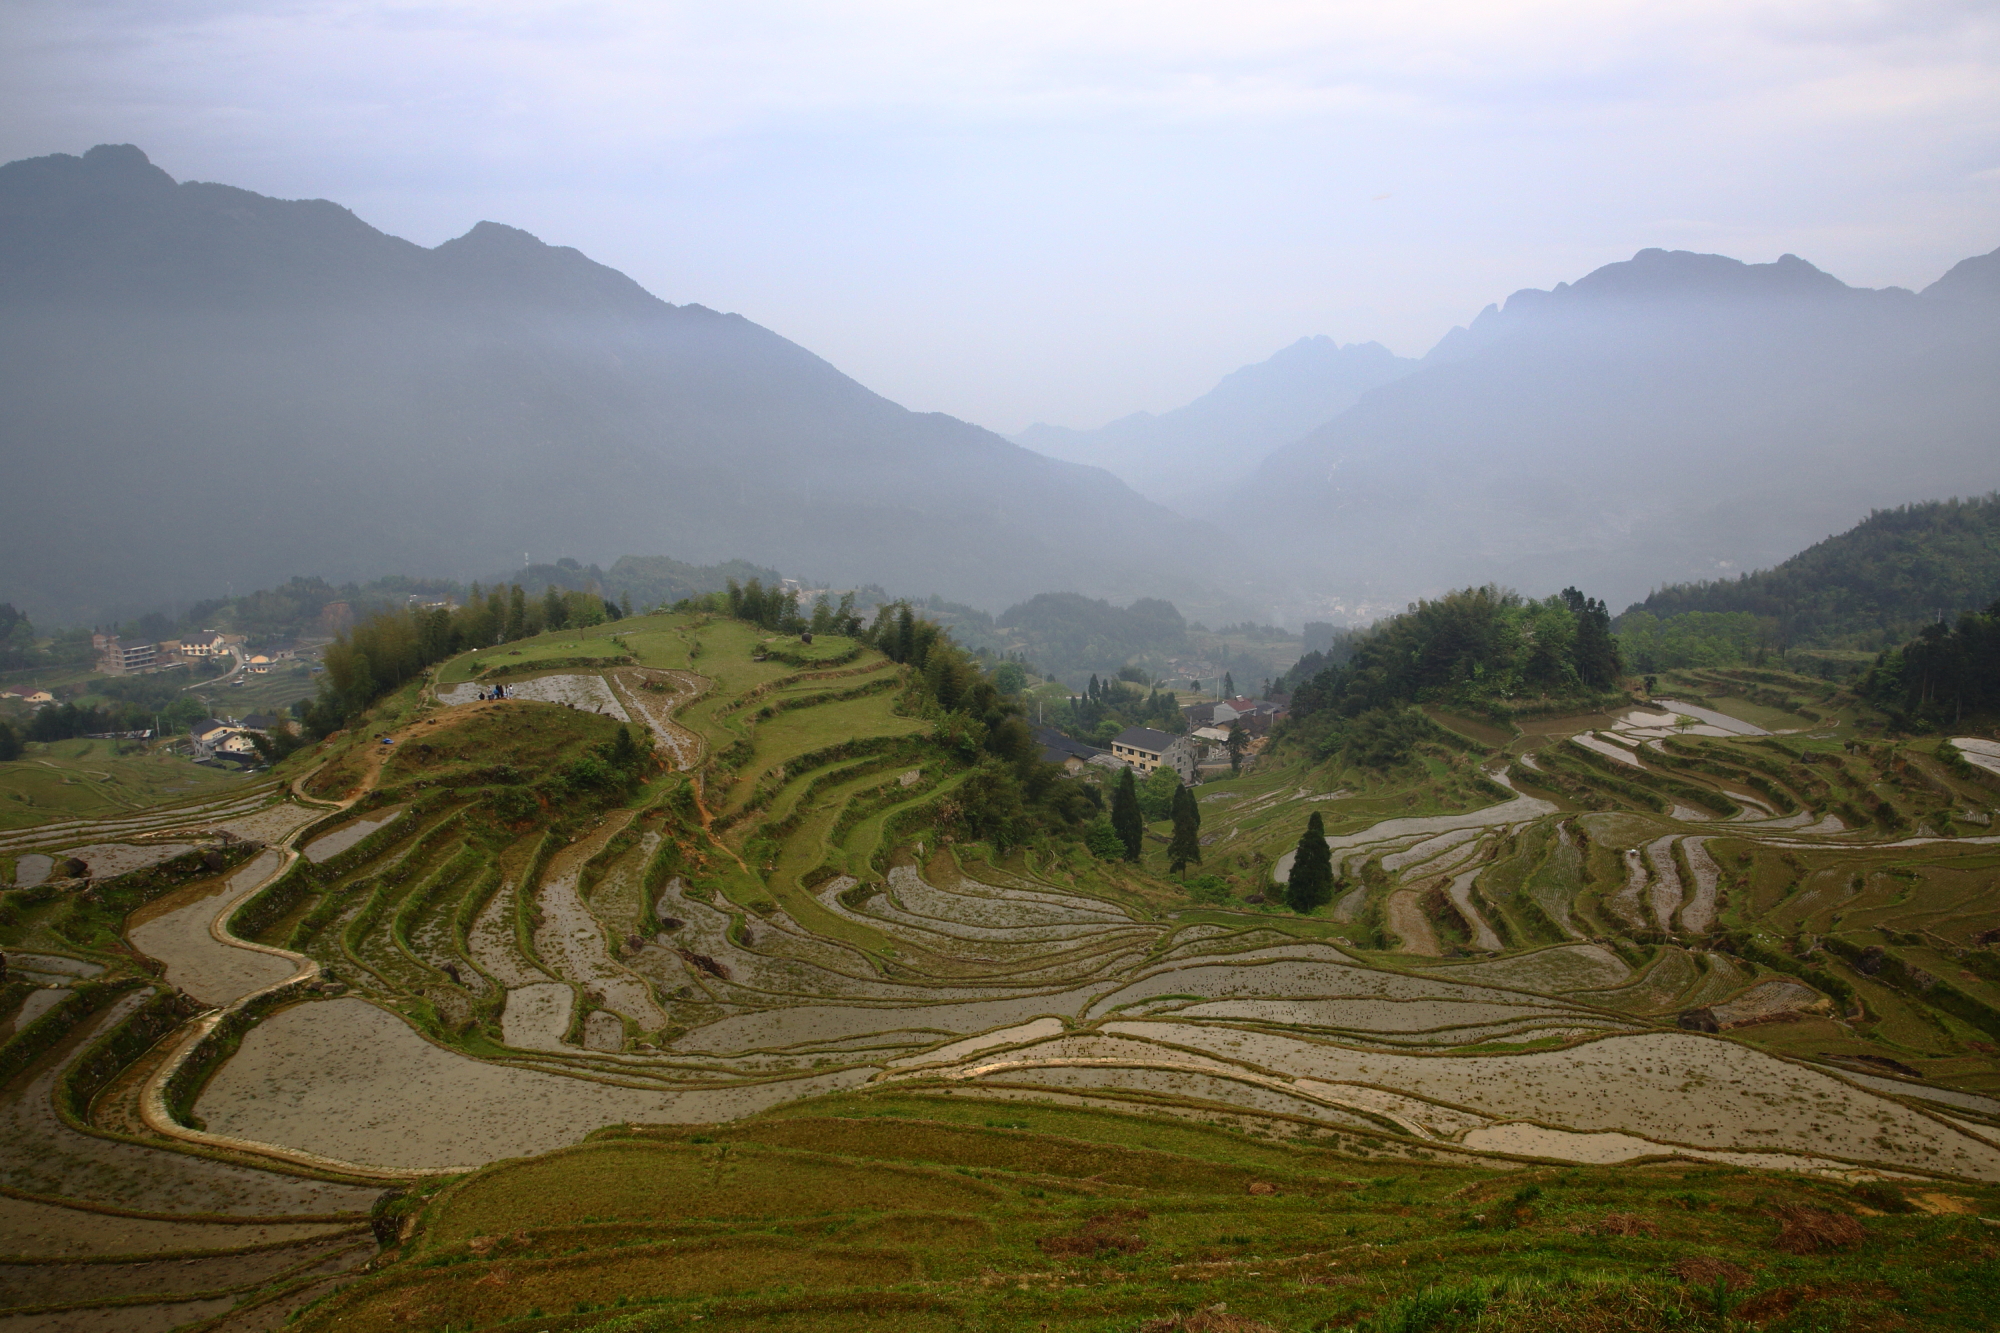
(625, 752)
(555, 609)
(1103, 840)
(1311, 882)
(1228, 685)
(1185, 849)
(1236, 742)
(517, 613)
(10, 743)
(1126, 821)
(1156, 793)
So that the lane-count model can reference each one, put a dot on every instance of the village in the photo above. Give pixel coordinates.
(1222, 737)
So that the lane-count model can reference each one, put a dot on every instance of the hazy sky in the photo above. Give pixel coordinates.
(1067, 211)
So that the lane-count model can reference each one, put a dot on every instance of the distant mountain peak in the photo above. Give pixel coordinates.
(1654, 273)
(1974, 281)
(118, 156)
(498, 237)
(1668, 280)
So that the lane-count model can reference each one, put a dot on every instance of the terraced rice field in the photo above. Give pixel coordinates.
(1664, 944)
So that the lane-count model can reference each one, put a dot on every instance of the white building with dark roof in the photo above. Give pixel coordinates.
(1145, 749)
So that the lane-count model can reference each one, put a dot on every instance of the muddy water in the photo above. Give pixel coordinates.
(39, 1230)
(1699, 913)
(537, 1017)
(1460, 893)
(1610, 750)
(1517, 811)
(339, 840)
(39, 1154)
(572, 942)
(207, 969)
(353, 1082)
(493, 945)
(1666, 894)
(1721, 721)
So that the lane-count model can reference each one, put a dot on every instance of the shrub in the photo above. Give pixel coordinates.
(1212, 889)
(1104, 842)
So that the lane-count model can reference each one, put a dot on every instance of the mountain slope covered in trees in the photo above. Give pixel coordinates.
(259, 388)
(1871, 586)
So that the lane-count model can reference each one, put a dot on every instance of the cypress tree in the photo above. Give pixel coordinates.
(1311, 881)
(1228, 686)
(1186, 846)
(1126, 820)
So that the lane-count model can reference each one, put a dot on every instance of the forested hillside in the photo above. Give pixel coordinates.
(1943, 676)
(1867, 588)
(1479, 650)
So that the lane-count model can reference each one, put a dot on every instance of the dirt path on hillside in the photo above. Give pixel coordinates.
(1404, 915)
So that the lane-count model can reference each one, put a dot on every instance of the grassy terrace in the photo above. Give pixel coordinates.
(86, 779)
(921, 1211)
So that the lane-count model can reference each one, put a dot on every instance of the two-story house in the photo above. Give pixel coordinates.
(1145, 749)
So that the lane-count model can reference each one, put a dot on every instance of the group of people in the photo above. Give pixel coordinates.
(497, 692)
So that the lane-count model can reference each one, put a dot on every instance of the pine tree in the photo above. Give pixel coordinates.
(555, 609)
(1186, 845)
(625, 752)
(1228, 686)
(1126, 821)
(1311, 881)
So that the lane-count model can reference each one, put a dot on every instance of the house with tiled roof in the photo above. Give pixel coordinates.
(1145, 749)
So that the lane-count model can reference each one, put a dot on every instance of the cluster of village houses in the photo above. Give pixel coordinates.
(211, 739)
(1203, 750)
(117, 658)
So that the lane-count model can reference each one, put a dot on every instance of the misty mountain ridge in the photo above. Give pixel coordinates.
(1184, 457)
(259, 387)
(1664, 419)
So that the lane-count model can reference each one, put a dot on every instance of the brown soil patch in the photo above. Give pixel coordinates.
(1779, 1302)
(1775, 1304)
(1623, 1224)
(1943, 1204)
(1106, 1231)
(1805, 1230)
(1215, 1319)
(1701, 1271)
